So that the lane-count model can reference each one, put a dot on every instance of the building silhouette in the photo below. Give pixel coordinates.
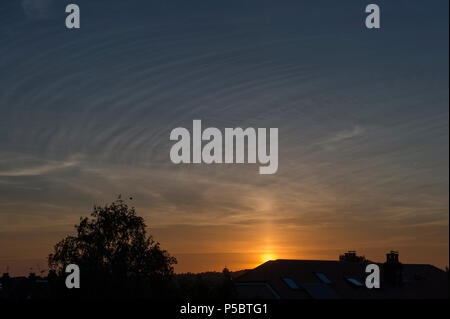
(343, 279)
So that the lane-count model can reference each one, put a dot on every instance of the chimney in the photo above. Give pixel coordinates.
(393, 269)
(6, 281)
(392, 257)
(352, 257)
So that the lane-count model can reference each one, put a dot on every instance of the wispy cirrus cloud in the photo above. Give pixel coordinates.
(346, 134)
(37, 170)
(334, 141)
(363, 129)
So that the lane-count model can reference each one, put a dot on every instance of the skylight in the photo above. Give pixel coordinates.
(319, 291)
(291, 283)
(323, 278)
(354, 282)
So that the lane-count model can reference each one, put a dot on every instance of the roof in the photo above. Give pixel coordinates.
(419, 281)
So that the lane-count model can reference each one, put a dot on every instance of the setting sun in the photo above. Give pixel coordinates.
(267, 257)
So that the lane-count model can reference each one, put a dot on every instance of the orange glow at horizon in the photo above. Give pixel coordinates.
(267, 257)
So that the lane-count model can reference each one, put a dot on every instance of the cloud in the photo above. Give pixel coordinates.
(37, 170)
(362, 145)
(333, 141)
(347, 134)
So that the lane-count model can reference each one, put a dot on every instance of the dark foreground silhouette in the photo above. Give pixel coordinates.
(119, 259)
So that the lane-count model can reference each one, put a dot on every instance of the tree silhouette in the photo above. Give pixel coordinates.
(115, 255)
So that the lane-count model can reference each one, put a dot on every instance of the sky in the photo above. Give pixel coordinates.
(363, 120)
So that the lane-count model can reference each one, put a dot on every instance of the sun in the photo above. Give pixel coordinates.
(267, 257)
